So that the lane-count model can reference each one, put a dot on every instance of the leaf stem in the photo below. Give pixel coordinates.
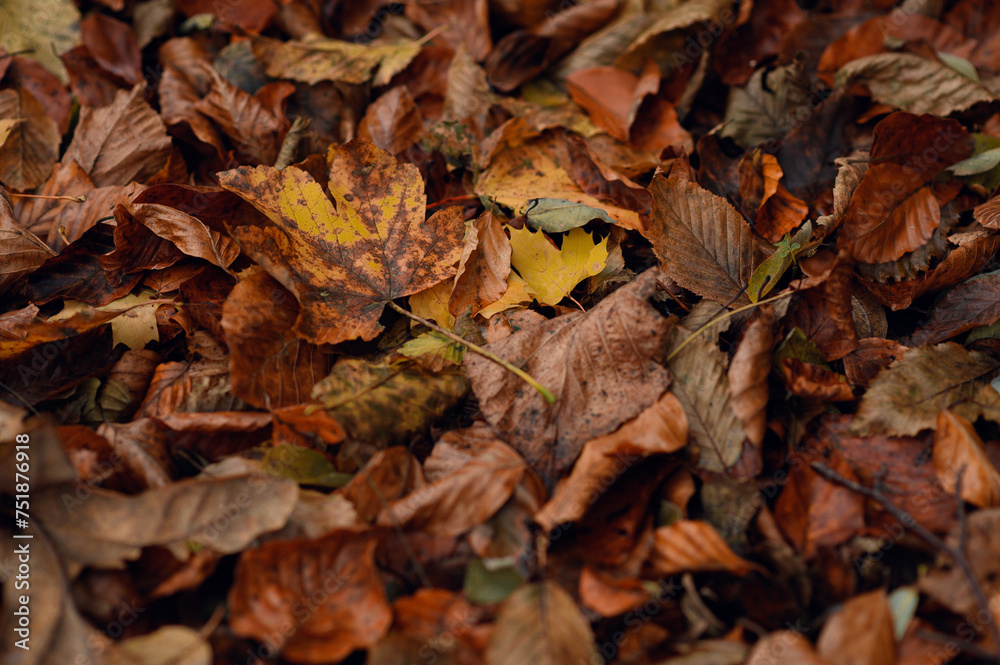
(475, 348)
(723, 317)
(74, 199)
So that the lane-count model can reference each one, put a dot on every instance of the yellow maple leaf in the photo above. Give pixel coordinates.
(550, 273)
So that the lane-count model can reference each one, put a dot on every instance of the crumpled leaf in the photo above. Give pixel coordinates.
(662, 428)
(540, 624)
(604, 366)
(484, 266)
(914, 84)
(764, 108)
(445, 508)
(550, 273)
(278, 580)
(387, 402)
(314, 59)
(908, 396)
(748, 373)
(343, 259)
(702, 242)
(21, 251)
(975, 302)
(122, 142)
(107, 528)
(702, 386)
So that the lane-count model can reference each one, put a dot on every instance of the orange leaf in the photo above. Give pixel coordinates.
(958, 449)
(691, 546)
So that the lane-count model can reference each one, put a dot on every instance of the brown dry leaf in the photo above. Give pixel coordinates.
(975, 302)
(814, 512)
(814, 382)
(484, 266)
(692, 546)
(143, 449)
(21, 252)
(255, 129)
(662, 428)
(389, 475)
(913, 83)
(860, 632)
(57, 633)
(873, 355)
(464, 498)
(268, 365)
(392, 122)
(947, 584)
(612, 96)
(774, 209)
(702, 242)
(784, 647)
(893, 210)
(188, 234)
(31, 146)
(344, 259)
(334, 576)
(908, 396)
(702, 386)
(610, 596)
(748, 374)
(540, 624)
(122, 142)
(958, 449)
(105, 529)
(604, 367)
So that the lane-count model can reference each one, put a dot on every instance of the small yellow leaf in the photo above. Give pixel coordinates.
(432, 304)
(551, 273)
(514, 295)
(134, 327)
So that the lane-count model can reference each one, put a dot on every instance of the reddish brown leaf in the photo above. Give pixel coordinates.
(112, 44)
(748, 374)
(334, 576)
(966, 306)
(861, 632)
(392, 122)
(269, 366)
(689, 546)
(959, 450)
(892, 212)
(32, 144)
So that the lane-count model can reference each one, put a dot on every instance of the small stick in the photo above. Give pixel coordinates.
(489, 355)
(955, 554)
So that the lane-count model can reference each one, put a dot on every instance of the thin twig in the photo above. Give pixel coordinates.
(73, 199)
(907, 520)
(489, 355)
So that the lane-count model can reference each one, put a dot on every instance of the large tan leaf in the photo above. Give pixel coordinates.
(32, 144)
(604, 367)
(662, 428)
(462, 499)
(702, 242)
(326, 593)
(702, 386)
(121, 142)
(344, 259)
(908, 396)
(912, 83)
(540, 624)
(105, 529)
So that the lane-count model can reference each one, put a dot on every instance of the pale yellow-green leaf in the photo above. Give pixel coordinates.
(550, 273)
(169, 645)
(43, 29)
(303, 465)
(433, 344)
(432, 304)
(134, 327)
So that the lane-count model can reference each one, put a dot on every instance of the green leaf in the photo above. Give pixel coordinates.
(490, 581)
(304, 466)
(560, 215)
(770, 271)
